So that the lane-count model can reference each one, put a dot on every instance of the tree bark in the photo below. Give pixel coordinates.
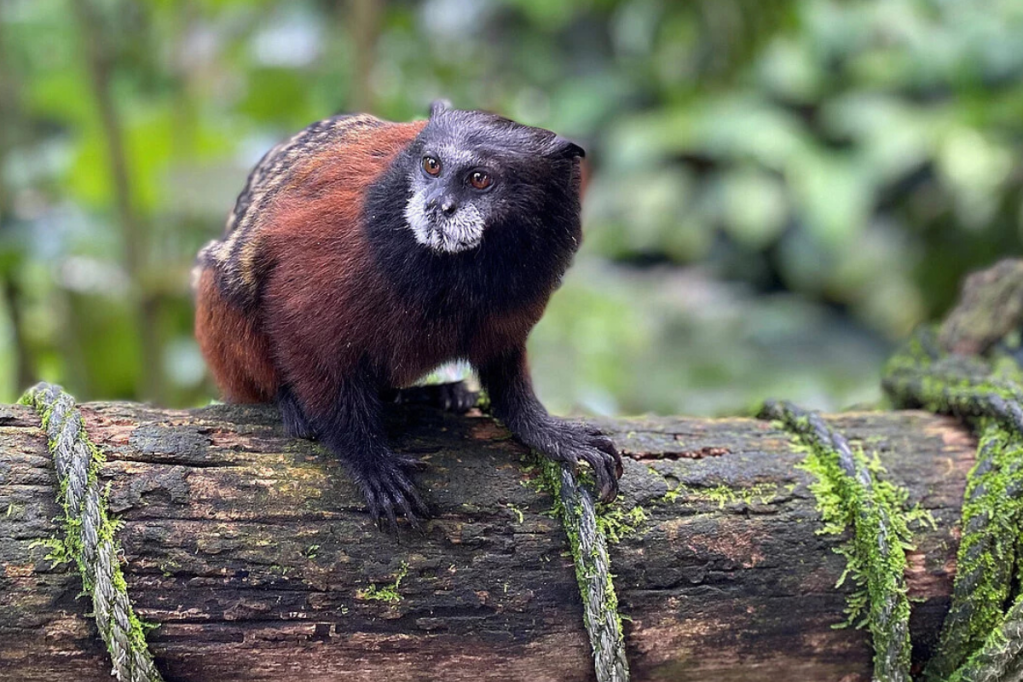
(254, 555)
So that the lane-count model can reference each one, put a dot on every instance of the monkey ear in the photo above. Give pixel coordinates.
(566, 149)
(439, 106)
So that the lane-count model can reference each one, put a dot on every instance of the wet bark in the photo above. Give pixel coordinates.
(256, 558)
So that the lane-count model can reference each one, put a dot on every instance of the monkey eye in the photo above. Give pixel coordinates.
(431, 165)
(480, 179)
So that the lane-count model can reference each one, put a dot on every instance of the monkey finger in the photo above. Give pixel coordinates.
(378, 501)
(606, 446)
(615, 464)
(583, 429)
(606, 483)
(372, 497)
(407, 511)
(464, 399)
(609, 492)
(611, 469)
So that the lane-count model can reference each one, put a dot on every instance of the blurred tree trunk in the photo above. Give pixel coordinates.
(146, 307)
(13, 131)
(25, 374)
(365, 17)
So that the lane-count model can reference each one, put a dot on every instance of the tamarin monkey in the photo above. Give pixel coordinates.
(362, 254)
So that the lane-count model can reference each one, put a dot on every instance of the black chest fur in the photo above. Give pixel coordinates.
(519, 264)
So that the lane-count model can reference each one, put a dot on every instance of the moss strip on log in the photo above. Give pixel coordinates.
(987, 551)
(587, 538)
(999, 658)
(922, 374)
(855, 502)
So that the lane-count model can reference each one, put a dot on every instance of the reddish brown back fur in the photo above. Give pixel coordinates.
(323, 299)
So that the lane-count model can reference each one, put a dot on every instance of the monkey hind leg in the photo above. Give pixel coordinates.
(384, 477)
(452, 387)
(236, 352)
(457, 396)
(296, 424)
(345, 414)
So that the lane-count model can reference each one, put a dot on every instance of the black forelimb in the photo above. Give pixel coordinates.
(353, 430)
(513, 401)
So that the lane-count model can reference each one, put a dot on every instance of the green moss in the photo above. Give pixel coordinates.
(518, 512)
(530, 466)
(922, 375)
(999, 651)
(845, 507)
(609, 519)
(615, 523)
(167, 567)
(57, 553)
(870, 514)
(724, 495)
(988, 550)
(483, 401)
(385, 593)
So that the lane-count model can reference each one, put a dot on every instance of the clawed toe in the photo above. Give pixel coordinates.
(409, 462)
(604, 444)
(453, 397)
(456, 397)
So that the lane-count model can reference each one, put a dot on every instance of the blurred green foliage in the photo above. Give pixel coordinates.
(779, 187)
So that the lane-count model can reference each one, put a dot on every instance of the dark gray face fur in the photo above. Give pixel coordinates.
(445, 212)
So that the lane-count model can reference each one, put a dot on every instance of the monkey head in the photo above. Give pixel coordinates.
(471, 173)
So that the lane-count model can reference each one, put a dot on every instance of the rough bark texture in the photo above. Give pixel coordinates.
(989, 310)
(254, 554)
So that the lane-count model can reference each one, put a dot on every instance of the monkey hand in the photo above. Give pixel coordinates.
(564, 441)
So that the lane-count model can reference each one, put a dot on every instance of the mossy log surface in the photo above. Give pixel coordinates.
(254, 553)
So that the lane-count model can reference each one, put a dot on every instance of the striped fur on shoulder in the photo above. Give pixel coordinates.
(237, 260)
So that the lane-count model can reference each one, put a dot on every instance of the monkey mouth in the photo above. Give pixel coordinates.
(446, 235)
(442, 233)
(444, 241)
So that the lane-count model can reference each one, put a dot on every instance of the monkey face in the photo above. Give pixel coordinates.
(471, 173)
(452, 198)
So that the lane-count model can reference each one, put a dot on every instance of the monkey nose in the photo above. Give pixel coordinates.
(448, 206)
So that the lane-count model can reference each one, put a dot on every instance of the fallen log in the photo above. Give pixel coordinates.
(254, 556)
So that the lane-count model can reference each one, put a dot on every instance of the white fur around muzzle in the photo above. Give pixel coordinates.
(460, 231)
